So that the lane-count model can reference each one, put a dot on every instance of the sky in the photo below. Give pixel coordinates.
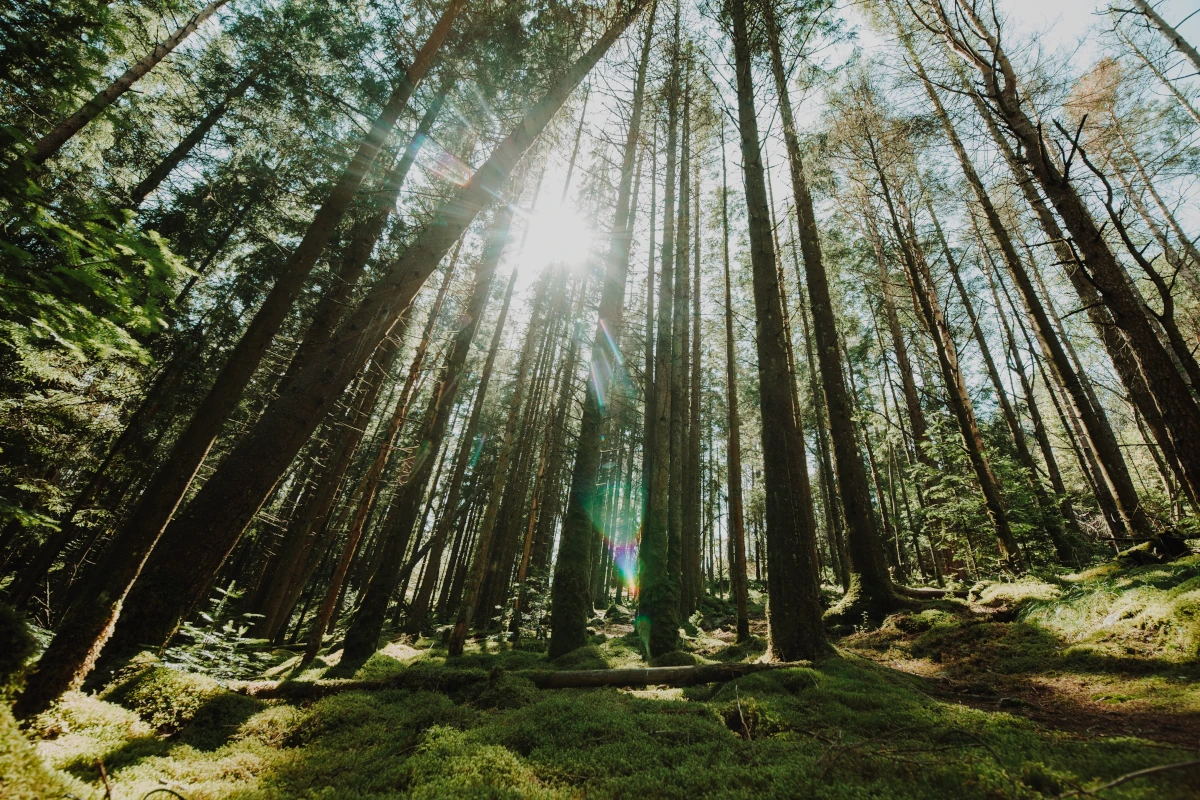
(1068, 31)
(1064, 25)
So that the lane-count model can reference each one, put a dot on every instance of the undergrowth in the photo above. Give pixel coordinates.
(846, 728)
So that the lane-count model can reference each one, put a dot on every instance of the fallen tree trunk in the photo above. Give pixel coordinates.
(930, 593)
(452, 679)
(652, 676)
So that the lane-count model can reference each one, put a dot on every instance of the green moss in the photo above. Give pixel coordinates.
(450, 764)
(508, 691)
(844, 729)
(1014, 594)
(587, 657)
(1150, 610)
(23, 773)
(168, 700)
(675, 658)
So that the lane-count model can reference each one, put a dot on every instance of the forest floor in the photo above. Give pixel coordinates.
(1046, 687)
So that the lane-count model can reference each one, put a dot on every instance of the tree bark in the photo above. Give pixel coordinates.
(795, 610)
(870, 591)
(570, 604)
(692, 523)
(680, 359)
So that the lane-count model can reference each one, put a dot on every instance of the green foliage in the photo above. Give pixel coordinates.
(80, 276)
(219, 648)
(17, 647)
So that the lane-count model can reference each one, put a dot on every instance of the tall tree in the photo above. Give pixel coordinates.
(737, 530)
(658, 596)
(796, 627)
(870, 591)
(570, 604)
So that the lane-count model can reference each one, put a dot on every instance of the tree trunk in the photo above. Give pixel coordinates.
(53, 141)
(420, 605)
(484, 542)
(1049, 514)
(658, 597)
(681, 358)
(692, 516)
(368, 622)
(870, 589)
(181, 151)
(925, 293)
(1171, 35)
(570, 605)
(796, 627)
(368, 488)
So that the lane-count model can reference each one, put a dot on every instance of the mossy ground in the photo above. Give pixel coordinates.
(851, 727)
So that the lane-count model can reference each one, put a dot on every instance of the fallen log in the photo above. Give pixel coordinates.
(453, 679)
(931, 593)
(652, 676)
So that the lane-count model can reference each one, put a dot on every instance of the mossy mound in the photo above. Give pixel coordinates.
(23, 773)
(675, 658)
(169, 700)
(587, 657)
(1148, 610)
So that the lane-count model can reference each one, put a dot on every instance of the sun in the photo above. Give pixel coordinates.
(558, 235)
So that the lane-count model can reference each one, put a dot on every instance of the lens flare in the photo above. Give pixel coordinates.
(622, 537)
(558, 235)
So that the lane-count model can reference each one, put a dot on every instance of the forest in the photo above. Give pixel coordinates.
(599, 398)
